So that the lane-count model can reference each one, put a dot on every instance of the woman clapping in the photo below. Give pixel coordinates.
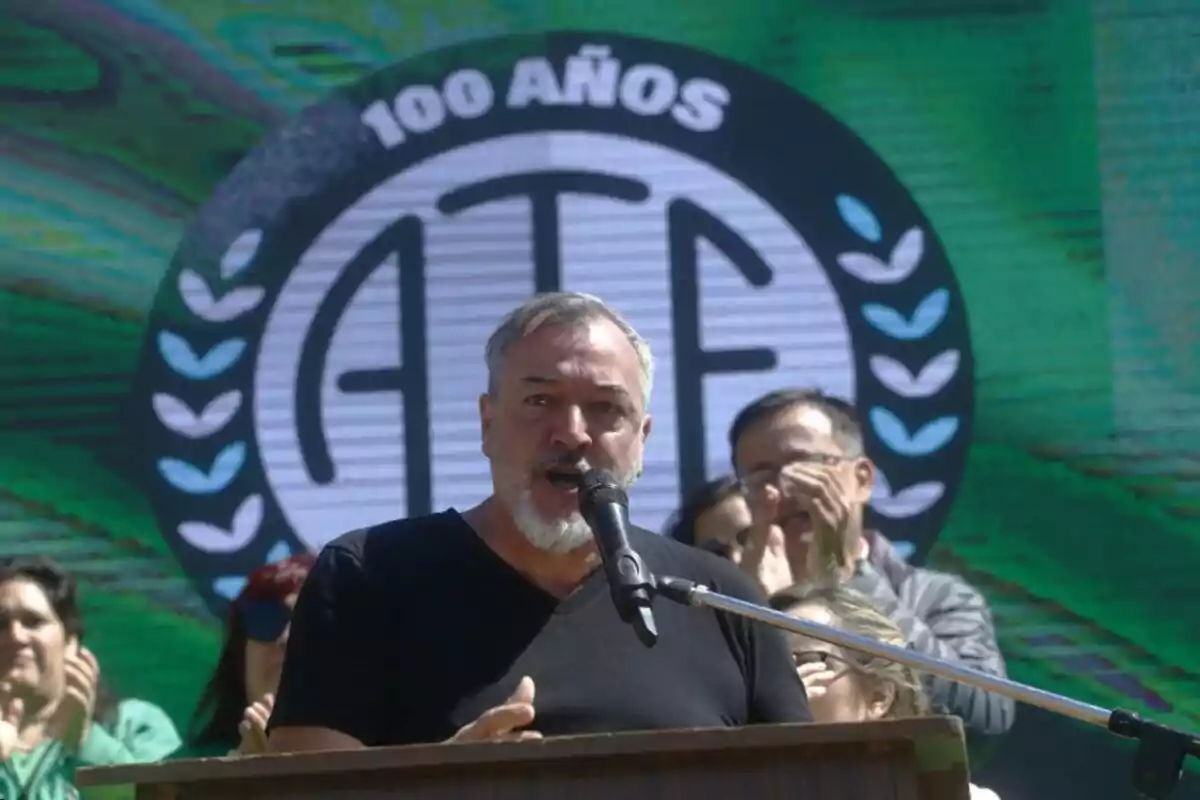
(54, 712)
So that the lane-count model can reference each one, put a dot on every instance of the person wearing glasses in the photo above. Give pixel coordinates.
(715, 518)
(231, 717)
(848, 686)
(808, 480)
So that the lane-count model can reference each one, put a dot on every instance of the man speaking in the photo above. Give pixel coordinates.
(495, 624)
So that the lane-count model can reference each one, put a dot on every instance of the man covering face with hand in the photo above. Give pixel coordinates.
(808, 480)
(807, 485)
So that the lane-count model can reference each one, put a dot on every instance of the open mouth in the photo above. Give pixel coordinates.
(565, 479)
(24, 658)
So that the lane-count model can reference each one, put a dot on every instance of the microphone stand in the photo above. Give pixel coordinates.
(1157, 765)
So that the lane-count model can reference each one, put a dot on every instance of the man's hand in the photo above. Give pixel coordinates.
(823, 494)
(765, 552)
(12, 711)
(778, 559)
(253, 727)
(500, 724)
(72, 718)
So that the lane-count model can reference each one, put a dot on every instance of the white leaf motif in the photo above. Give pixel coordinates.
(930, 380)
(241, 252)
(213, 539)
(179, 417)
(200, 300)
(908, 502)
(864, 266)
(905, 258)
(906, 255)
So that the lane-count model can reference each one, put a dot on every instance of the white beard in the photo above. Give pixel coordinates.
(553, 536)
(559, 535)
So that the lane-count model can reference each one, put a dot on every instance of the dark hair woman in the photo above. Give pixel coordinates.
(232, 714)
(715, 518)
(55, 713)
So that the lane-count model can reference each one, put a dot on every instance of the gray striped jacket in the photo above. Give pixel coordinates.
(942, 616)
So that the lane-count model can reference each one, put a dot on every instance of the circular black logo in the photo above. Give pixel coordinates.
(315, 352)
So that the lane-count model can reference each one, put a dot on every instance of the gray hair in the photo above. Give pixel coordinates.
(562, 308)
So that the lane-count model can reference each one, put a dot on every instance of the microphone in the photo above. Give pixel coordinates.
(605, 507)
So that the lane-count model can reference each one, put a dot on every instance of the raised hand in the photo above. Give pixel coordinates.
(72, 718)
(12, 710)
(823, 494)
(253, 727)
(765, 552)
(816, 677)
(778, 556)
(501, 723)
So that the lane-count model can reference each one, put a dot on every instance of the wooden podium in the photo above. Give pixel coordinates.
(912, 759)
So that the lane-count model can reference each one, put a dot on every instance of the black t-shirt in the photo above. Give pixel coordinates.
(409, 630)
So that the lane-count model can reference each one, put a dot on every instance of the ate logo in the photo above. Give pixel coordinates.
(315, 353)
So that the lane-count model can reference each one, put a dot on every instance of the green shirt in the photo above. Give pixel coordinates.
(140, 733)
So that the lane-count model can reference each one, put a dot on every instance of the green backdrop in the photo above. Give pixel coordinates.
(1051, 144)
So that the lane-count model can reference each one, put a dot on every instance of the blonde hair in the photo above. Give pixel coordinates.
(854, 612)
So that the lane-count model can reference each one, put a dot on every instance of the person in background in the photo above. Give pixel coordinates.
(715, 518)
(848, 686)
(231, 717)
(55, 714)
(808, 480)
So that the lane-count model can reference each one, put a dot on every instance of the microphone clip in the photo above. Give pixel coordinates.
(633, 594)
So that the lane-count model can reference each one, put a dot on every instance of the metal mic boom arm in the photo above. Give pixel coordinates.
(1161, 749)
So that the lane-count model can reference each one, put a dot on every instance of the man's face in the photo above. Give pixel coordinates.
(799, 435)
(567, 398)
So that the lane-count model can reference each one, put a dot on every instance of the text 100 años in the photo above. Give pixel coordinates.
(592, 78)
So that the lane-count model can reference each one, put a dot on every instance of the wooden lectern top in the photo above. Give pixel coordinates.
(910, 759)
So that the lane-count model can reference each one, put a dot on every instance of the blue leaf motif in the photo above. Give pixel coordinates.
(229, 461)
(930, 438)
(886, 320)
(188, 478)
(183, 476)
(180, 356)
(229, 586)
(278, 553)
(928, 315)
(859, 218)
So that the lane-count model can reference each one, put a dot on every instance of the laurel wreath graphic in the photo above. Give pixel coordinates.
(925, 381)
(208, 304)
(214, 417)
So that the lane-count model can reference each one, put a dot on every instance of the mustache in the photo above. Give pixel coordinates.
(578, 463)
(568, 462)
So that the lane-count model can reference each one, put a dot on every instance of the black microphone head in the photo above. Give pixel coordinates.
(600, 487)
